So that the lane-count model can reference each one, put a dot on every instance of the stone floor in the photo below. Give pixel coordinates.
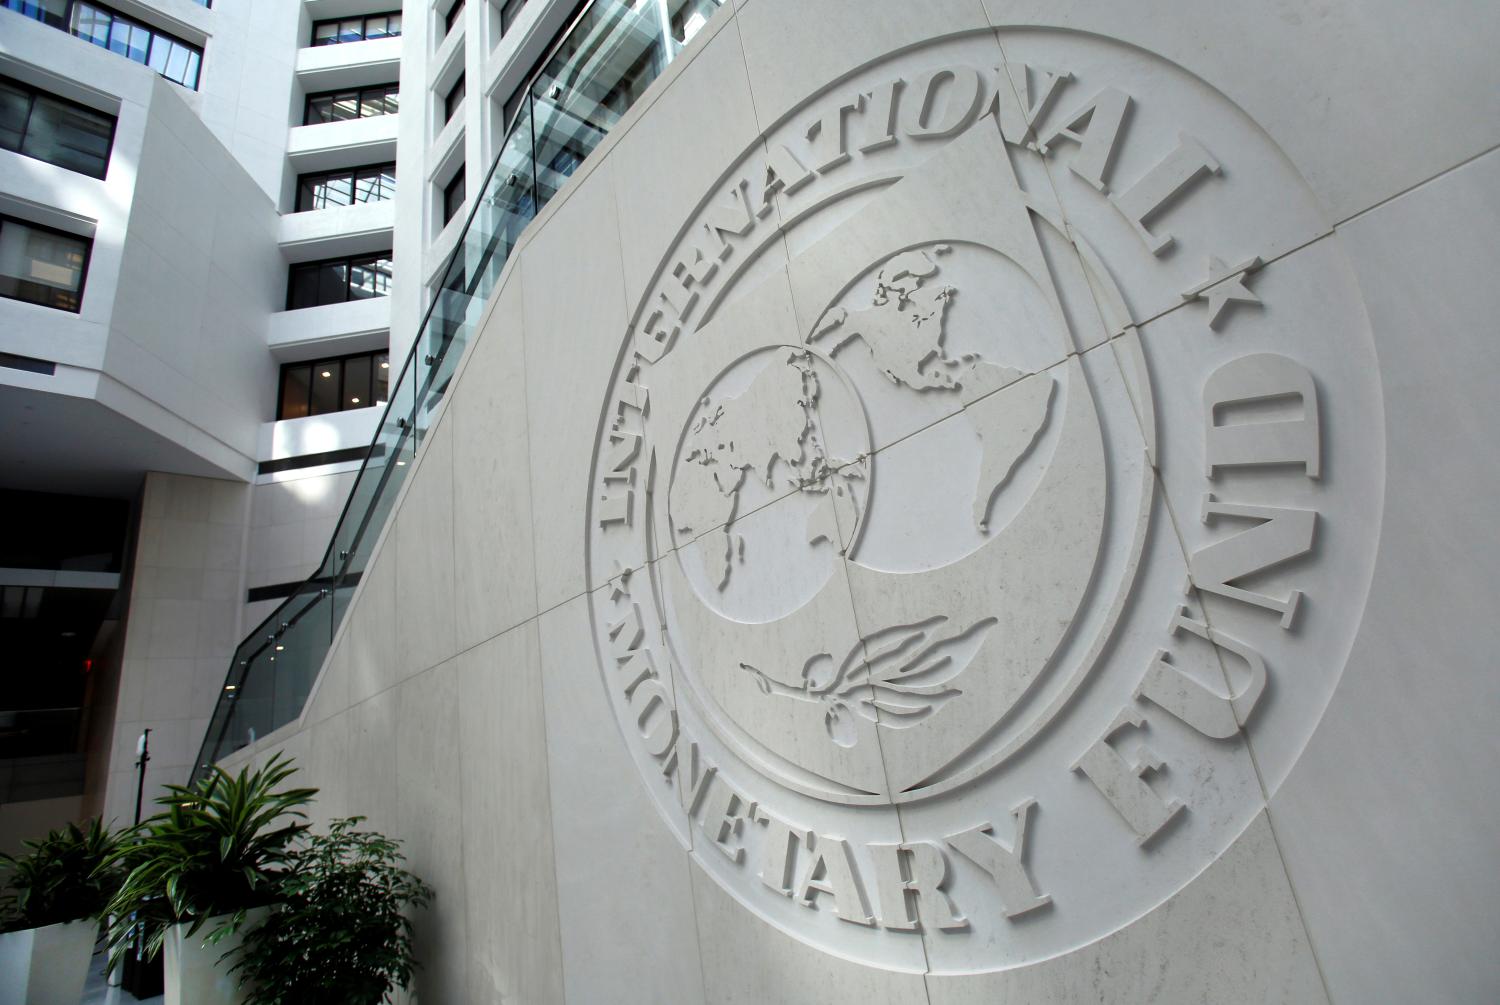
(97, 992)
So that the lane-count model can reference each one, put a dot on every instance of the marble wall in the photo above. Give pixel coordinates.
(1268, 451)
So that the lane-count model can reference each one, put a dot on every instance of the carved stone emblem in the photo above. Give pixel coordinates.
(958, 577)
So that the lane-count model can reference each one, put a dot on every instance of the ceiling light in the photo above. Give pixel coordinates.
(280, 648)
(354, 401)
(385, 366)
(230, 687)
(327, 374)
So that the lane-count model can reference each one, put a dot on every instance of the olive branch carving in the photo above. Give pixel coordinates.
(895, 677)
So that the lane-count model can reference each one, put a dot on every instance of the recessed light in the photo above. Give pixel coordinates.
(354, 401)
(327, 373)
(230, 687)
(385, 366)
(280, 648)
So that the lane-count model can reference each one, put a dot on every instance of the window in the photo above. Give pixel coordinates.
(512, 106)
(337, 106)
(42, 266)
(171, 57)
(454, 13)
(453, 99)
(357, 29)
(453, 196)
(54, 129)
(337, 280)
(333, 385)
(53, 13)
(376, 183)
(509, 11)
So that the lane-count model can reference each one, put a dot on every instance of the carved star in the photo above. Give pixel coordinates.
(1224, 286)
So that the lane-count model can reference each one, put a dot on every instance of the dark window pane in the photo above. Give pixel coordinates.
(345, 106)
(64, 134)
(369, 277)
(338, 190)
(41, 266)
(319, 109)
(49, 12)
(453, 196)
(326, 33)
(382, 371)
(325, 387)
(375, 184)
(302, 289)
(454, 99)
(333, 282)
(14, 105)
(357, 383)
(454, 13)
(294, 391)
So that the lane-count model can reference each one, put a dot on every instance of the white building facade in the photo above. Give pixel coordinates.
(902, 503)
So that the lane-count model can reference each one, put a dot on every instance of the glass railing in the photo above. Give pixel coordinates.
(600, 65)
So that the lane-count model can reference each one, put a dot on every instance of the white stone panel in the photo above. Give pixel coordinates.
(495, 570)
(625, 899)
(1384, 818)
(1196, 947)
(424, 559)
(571, 343)
(676, 150)
(429, 815)
(514, 953)
(1355, 97)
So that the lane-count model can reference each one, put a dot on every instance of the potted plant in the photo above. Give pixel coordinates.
(49, 914)
(339, 934)
(209, 862)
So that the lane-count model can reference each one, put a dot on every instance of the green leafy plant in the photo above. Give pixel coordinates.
(218, 848)
(339, 934)
(64, 878)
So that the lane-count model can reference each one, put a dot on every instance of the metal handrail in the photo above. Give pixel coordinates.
(366, 519)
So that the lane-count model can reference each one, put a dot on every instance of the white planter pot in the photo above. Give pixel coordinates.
(194, 975)
(46, 966)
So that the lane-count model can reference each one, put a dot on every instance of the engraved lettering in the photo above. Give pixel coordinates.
(1018, 105)
(1160, 185)
(784, 173)
(1096, 129)
(1006, 864)
(1120, 781)
(1281, 535)
(779, 850)
(830, 144)
(959, 102)
(1214, 715)
(724, 813)
(1246, 386)
(830, 870)
(654, 715)
(880, 117)
(911, 887)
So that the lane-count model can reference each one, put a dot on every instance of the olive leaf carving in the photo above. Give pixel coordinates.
(895, 677)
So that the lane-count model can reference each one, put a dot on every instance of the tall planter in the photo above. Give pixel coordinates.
(46, 966)
(194, 971)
